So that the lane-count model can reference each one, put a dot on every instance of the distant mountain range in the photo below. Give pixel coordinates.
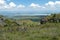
(10, 14)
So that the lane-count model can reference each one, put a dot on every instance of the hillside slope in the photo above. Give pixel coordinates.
(28, 30)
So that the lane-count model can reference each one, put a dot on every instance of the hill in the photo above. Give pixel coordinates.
(12, 29)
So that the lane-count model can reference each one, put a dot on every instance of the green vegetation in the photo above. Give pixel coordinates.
(11, 29)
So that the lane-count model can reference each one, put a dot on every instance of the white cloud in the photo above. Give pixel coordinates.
(4, 5)
(50, 5)
(12, 5)
(57, 2)
(20, 6)
(44, 7)
(33, 5)
(53, 5)
(2, 1)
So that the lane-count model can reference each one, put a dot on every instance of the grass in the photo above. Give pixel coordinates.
(29, 30)
(48, 31)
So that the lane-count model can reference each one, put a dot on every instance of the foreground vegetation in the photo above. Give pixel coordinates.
(11, 29)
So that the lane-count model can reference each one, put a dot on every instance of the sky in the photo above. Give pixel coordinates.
(30, 6)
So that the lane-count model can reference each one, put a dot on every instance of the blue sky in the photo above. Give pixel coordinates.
(30, 6)
(27, 2)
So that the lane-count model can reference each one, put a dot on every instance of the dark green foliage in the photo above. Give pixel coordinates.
(43, 21)
(54, 38)
(54, 18)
